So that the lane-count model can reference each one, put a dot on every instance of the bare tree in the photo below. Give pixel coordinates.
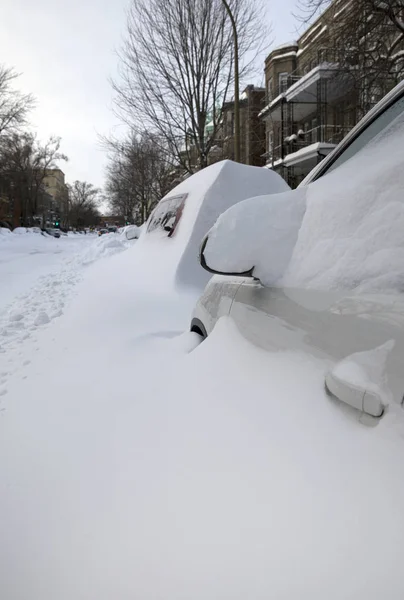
(14, 106)
(177, 69)
(24, 165)
(138, 175)
(84, 200)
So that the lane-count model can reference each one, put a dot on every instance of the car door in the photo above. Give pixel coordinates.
(336, 315)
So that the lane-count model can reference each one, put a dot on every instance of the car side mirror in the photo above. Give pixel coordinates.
(255, 237)
(209, 264)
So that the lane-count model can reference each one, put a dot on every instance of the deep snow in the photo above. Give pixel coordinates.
(135, 463)
(24, 258)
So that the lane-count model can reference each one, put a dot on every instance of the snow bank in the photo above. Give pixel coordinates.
(4, 232)
(105, 245)
(140, 478)
(258, 234)
(352, 233)
(209, 193)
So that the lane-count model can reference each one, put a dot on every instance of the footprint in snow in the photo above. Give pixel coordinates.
(42, 318)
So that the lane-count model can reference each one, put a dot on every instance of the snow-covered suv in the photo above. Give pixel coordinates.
(320, 269)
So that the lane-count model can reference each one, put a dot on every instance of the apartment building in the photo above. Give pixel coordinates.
(54, 183)
(311, 103)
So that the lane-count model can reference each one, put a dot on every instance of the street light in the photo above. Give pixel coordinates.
(236, 86)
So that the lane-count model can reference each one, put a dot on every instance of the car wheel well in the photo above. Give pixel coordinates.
(198, 327)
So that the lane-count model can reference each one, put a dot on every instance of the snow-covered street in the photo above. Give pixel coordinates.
(132, 466)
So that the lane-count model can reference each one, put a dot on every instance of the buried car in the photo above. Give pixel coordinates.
(186, 213)
(320, 269)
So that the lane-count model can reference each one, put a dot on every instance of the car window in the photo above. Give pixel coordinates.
(373, 129)
(167, 214)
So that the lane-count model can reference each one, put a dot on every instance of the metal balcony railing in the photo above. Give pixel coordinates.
(323, 55)
(330, 134)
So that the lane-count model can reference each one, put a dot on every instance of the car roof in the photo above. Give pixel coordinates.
(389, 99)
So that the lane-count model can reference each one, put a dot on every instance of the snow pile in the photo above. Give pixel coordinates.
(131, 232)
(4, 232)
(209, 193)
(258, 234)
(104, 246)
(352, 233)
(129, 475)
(20, 230)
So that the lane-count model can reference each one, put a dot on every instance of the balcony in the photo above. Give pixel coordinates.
(301, 87)
(304, 151)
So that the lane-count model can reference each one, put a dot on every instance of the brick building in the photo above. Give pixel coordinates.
(252, 128)
(310, 103)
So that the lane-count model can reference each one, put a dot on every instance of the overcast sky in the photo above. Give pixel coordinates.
(65, 51)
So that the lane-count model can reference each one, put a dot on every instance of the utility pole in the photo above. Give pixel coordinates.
(236, 86)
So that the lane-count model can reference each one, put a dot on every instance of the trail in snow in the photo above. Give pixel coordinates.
(135, 463)
(23, 315)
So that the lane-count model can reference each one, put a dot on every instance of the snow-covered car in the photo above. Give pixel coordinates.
(132, 232)
(182, 218)
(320, 269)
(53, 232)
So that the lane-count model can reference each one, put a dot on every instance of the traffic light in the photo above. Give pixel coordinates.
(57, 223)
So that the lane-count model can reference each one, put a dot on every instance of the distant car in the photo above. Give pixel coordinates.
(5, 225)
(102, 231)
(112, 229)
(53, 232)
(132, 232)
(319, 269)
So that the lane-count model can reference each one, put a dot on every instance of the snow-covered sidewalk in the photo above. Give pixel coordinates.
(135, 463)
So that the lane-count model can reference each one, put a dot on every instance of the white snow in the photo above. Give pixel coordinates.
(210, 192)
(352, 233)
(325, 69)
(286, 45)
(307, 152)
(284, 55)
(135, 463)
(367, 370)
(271, 104)
(25, 258)
(259, 233)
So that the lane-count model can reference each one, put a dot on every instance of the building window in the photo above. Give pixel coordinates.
(283, 82)
(269, 89)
